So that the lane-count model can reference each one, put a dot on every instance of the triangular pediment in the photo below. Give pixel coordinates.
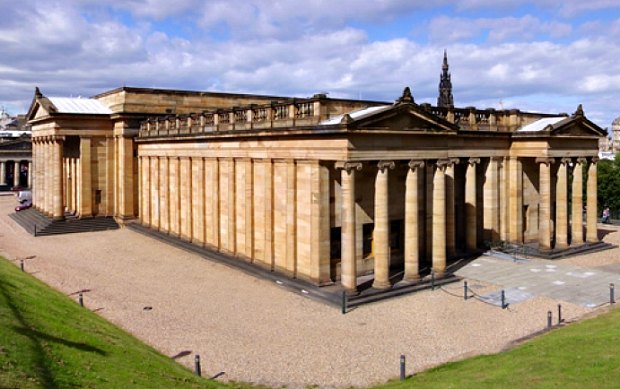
(577, 126)
(40, 107)
(403, 117)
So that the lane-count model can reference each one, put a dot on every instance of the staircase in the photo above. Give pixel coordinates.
(38, 224)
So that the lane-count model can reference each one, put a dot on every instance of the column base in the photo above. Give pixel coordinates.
(58, 218)
(351, 292)
(410, 279)
(439, 272)
(381, 285)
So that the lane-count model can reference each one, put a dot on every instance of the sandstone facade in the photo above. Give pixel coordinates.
(321, 189)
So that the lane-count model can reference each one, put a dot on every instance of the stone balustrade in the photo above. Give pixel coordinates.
(275, 115)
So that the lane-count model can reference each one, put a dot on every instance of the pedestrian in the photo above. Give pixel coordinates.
(606, 214)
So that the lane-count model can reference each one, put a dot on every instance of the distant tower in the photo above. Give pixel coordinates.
(445, 98)
(615, 136)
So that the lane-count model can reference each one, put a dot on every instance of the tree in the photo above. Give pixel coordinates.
(609, 185)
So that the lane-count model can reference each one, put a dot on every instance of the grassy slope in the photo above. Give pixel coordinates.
(581, 355)
(49, 341)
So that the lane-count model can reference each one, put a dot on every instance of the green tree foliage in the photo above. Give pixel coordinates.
(609, 185)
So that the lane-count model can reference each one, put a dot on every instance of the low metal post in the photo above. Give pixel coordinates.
(402, 367)
(35, 230)
(465, 290)
(21, 264)
(197, 369)
(503, 299)
(559, 313)
(344, 302)
(432, 279)
(549, 318)
(612, 298)
(81, 299)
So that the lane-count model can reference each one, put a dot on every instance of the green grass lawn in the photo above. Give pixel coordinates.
(48, 341)
(581, 355)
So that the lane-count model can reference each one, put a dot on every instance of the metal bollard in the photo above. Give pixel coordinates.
(465, 290)
(344, 302)
(612, 298)
(81, 299)
(549, 318)
(432, 279)
(504, 306)
(21, 264)
(559, 313)
(197, 369)
(402, 367)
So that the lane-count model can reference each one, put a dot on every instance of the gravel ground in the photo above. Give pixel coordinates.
(253, 330)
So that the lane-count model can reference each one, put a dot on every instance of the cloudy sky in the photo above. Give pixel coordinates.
(544, 55)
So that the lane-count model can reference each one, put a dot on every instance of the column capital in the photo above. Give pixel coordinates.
(447, 162)
(581, 160)
(473, 161)
(594, 159)
(416, 163)
(386, 165)
(545, 160)
(349, 165)
(566, 160)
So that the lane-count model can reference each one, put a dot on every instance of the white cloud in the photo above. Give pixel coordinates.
(279, 47)
(528, 27)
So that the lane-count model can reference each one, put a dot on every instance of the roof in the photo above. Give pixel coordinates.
(79, 105)
(355, 114)
(541, 124)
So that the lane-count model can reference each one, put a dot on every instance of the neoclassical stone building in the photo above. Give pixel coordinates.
(320, 189)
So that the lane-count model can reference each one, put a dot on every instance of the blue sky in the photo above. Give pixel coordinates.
(541, 55)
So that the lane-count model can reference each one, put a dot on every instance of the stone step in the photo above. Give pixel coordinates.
(38, 224)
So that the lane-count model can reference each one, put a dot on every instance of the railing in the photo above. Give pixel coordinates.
(274, 115)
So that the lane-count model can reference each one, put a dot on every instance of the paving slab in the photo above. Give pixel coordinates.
(522, 279)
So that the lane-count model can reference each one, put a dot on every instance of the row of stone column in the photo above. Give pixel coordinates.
(16, 172)
(443, 213)
(561, 201)
(71, 184)
(48, 175)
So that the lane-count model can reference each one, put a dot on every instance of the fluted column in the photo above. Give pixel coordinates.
(491, 201)
(348, 265)
(412, 227)
(47, 172)
(30, 174)
(86, 184)
(58, 211)
(592, 213)
(2, 173)
(439, 218)
(450, 211)
(382, 227)
(16, 173)
(471, 230)
(561, 206)
(577, 204)
(544, 222)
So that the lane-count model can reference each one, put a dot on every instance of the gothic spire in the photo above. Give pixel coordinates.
(445, 98)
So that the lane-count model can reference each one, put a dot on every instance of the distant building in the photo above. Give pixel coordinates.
(615, 135)
(320, 189)
(15, 151)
